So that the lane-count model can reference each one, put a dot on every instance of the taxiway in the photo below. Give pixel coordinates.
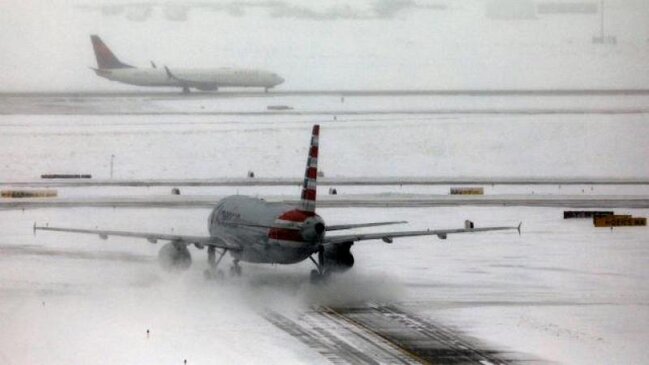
(339, 201)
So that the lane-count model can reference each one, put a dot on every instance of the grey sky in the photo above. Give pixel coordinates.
(403, 44)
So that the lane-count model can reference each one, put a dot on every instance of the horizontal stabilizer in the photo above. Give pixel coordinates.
(389, 236)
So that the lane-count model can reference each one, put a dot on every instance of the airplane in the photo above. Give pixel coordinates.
(256, 231)
(111, 68)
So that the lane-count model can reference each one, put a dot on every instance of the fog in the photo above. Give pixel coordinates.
(374, 44)
(90, 301)
(563, 291)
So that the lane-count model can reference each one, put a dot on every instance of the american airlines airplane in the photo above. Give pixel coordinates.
(111, 68)
(254, 230)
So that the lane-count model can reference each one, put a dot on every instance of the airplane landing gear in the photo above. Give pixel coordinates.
(209, 274)
(212, 272)
(321, 274)
(235, 269)
(317, 278)
(185, 90)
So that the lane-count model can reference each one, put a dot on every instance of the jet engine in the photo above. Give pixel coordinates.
(313, 229)
(338, 258)
(175, 256)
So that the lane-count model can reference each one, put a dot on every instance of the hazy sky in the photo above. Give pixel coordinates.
(399, 44)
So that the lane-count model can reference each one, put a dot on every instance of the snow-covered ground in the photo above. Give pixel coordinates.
(288, 191)
(564, 291)
(330, 102)
(456, 145)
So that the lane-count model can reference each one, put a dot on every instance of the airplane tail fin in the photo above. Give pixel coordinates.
(105, 58)
(311, 174)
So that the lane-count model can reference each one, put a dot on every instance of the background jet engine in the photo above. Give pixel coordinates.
(338, 258)
(175, 256)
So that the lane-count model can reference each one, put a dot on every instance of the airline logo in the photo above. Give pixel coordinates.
(105, 58)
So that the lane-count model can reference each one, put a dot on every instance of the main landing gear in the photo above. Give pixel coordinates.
(213, 272)
(185, 90)
(235, 269)
(320, 274)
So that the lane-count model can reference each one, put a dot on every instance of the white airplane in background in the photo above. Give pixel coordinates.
(109, 67)
(254, 230)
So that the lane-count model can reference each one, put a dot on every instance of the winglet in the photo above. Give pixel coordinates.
(308, 198)
(169, 74)
(519, 228)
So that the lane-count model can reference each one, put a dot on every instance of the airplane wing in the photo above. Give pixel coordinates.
(214, 241)
(361, 225)
(389, 236)
(297, 227)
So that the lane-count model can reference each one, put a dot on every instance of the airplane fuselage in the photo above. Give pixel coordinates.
(246, 221)
(204, 79)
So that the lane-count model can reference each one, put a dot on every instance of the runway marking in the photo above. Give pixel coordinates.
(312, 92)
(340, 341)
(383, 334)
(369, 201)
(319, 113)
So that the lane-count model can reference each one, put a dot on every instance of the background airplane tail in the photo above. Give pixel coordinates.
(311, 174)
(105, 58)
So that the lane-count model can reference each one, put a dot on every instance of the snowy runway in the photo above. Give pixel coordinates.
(385, 335)
(339, 201)
(563, 292)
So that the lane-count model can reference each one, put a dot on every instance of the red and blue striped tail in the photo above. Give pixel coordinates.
(311, 174)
